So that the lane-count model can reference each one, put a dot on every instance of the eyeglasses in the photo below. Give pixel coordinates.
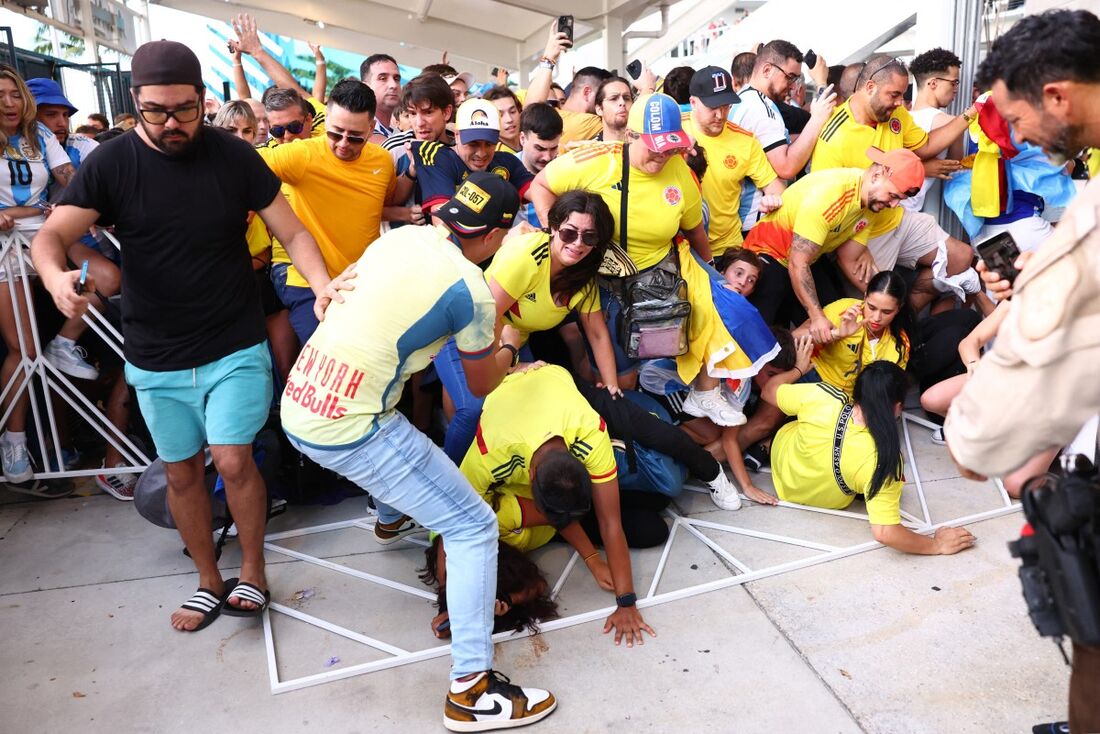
(589, 237)
(884, 65)
(190, 113)
(953, 82)
(278, 131)
(791, 78)
(337, 137)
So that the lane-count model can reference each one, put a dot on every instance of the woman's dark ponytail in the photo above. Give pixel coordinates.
(879, 388)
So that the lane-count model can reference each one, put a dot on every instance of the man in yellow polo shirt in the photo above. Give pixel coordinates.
(733, 154)
(875, 116)
(337, 186)
(822, 212)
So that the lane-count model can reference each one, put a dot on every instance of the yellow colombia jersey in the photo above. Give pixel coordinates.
(257, 236)
(732, 156)
(802, 455)
(823, 207)
(579, 126)
(659, 204)
(350, 373)
(524, 412)
(522, 268)
(843, 143)
(841, 362)
(339, 202)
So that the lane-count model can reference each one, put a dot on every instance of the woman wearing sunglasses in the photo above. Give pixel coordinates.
(537, 280)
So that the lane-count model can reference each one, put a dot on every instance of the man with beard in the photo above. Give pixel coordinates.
(875, 116)
(734, 155)
(179, 195)
(613, 101)
(1046, 84)
(824, 211)
(776, 67)
(381, 73)
(540, 132)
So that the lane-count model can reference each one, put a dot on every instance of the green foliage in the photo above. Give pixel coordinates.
(304, 66)
(71, 47)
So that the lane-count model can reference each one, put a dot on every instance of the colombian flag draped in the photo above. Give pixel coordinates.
(1001, 166)
(990, 191)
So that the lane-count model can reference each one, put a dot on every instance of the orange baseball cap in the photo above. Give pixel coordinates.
(904, 168)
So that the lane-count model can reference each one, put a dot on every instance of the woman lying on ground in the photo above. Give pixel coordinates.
(838, 448)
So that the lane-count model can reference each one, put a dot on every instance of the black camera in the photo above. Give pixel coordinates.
(1060, 551)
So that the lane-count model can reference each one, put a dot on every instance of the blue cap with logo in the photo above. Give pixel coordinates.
(47, 91)
(657, 119)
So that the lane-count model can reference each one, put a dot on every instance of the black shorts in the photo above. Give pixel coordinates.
(268, 298)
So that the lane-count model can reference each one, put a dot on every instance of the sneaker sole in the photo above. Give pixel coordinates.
(108, 489)
(491, 725)
(389, 541)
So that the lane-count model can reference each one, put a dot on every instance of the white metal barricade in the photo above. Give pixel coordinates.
(15, 256)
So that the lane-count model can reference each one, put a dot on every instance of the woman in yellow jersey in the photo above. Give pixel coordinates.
(537, 280)
(727, 337)
(238, 118)
(839, 447)
(876, 328)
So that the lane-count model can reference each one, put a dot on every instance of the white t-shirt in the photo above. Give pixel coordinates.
(760, 116)
(924, 117)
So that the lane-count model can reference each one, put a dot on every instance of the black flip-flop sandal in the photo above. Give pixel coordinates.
(247, 592)
(208, 604)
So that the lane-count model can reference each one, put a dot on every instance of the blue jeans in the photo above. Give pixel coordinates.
(298, 301)
(400, 466)
(463, 426)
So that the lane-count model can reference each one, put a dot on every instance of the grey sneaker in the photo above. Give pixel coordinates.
(70, 360)
(16, 462)
(711, 404)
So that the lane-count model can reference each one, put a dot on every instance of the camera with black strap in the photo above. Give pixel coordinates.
(1060, 550)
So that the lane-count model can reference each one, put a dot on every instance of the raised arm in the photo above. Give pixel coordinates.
(789, 160)
(320, 79)
(248, 36)
(240, 81)
(539, 88)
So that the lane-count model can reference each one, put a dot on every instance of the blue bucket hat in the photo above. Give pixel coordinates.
(47, 91)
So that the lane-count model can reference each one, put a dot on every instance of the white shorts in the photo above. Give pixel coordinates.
(915, 236)
(17, 250)
(1029, 232)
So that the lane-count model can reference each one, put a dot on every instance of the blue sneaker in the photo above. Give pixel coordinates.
(16, 462)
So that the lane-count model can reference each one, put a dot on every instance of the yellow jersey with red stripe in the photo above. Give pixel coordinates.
(823, 207)
(843, 143)
(659, 204)
(524, 412)
(732, 156)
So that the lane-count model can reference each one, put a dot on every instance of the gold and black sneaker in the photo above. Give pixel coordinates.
(391, 532)
(490, 701)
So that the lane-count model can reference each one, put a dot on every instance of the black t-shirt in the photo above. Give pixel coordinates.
(188, 293)
(795, 118)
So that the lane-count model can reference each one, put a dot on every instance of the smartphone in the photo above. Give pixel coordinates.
(634, 68)
(999, 253)
(565, 25)
(810, 58)
(82, 281)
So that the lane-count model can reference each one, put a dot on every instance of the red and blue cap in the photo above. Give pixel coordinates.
(657, 119)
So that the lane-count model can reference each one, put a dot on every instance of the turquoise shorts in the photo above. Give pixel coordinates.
(225, 402)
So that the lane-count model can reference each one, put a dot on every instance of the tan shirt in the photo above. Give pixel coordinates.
(1041, 381)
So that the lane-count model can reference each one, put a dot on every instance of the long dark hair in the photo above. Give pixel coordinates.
(515, 574)
(903, 327)
(571, 280)
(879, 388)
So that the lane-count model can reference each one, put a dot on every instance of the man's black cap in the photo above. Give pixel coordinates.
(713, 85)
(484, 201)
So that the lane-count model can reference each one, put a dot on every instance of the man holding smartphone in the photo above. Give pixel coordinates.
(1046, 84)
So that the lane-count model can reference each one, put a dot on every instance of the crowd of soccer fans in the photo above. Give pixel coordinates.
(443, 291)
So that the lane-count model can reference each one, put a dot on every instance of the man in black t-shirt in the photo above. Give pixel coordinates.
(178, 195)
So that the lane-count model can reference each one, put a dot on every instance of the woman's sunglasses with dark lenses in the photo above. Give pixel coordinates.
(568, 235)
(160, 117)
(278, 131)
(337, 137)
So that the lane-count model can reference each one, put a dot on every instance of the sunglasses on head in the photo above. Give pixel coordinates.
(337, 137)
(568, 235)
(293, 128)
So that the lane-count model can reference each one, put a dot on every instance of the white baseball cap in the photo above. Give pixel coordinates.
(477, 119)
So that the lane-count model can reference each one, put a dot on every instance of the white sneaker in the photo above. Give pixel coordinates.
(723, 493)
(119, 486)
(16, 462)
(70, 360)
(937, 437)
(491, 702)
(711, 404)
